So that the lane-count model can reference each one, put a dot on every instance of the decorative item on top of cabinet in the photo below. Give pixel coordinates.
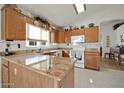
(91, 25)
(82, 26)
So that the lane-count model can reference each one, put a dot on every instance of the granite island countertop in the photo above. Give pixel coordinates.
(56, 67)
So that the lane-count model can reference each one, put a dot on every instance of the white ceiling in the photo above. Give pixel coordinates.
(63, 14)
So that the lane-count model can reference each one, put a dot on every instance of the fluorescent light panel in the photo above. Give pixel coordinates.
(79, 8)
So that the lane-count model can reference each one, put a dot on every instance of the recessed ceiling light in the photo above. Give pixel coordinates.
(79, 8)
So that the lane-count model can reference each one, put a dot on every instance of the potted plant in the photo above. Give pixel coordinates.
(117, 25)
(37, 21)
(40, 20)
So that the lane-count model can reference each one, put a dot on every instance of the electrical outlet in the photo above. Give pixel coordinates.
(18, 45)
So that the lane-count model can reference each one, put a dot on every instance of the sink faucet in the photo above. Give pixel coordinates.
(40, 51)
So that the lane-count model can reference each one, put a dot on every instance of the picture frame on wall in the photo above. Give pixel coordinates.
(107, 41)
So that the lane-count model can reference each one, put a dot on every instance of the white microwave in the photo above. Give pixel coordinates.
(78, 39)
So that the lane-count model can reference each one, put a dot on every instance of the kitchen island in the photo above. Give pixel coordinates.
(33, 70)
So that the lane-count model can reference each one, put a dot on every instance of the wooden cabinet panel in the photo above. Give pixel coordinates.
(91, 34)
(20, 27)
(77, 32)
(5, 74)
(61, 37)
(13, 24)
(92, 60)
(5, 78)
(65, 54)
(68, 37)
(10, 25)
(29, 20)
(53, 37)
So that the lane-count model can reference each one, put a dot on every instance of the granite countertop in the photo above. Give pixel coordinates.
(56, 50)
(56, 67)
(91, 50)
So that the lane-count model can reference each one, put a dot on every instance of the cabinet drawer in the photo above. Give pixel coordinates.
(92, 53)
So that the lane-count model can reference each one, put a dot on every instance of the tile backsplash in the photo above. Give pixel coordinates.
(14, 46)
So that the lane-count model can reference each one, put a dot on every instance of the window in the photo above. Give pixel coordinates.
(45, 35)
(36, 36)
(33, 32)
(79, 7)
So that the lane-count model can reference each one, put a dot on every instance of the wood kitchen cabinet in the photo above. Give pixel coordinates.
(20, 76)
(53, 37)
(20, 27)
(68, 36)
(91, 34)
(29, 20)
(14, 24)
(92, 60)
(5, 74)
(57, 36)
(61, 36)
(77, 32)
(65, 53)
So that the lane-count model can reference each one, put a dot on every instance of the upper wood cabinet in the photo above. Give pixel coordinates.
(61, 36)
(53, 37)
(91, 34)
(20, 27)
(77, 32)
(68, 36)
(14, 24)
(29, 20)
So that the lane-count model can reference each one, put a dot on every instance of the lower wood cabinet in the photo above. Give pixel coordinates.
(17, 76)
(65, 54)
(5, 77)
(5, 74)
(92, 60)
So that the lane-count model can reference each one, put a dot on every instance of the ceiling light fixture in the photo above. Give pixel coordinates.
(79, 8)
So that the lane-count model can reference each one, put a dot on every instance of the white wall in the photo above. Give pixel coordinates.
(107, 30)
(119, 32)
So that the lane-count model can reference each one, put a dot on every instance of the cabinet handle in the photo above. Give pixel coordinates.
(15, 71)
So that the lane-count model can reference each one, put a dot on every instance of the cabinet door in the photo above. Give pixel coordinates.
(78, 32)
(10, 22)
(61, 37)
(13, 24)
(68, 37)
(5, 78)
(92, 61)
(65, 54)
(74, 33)
(20, 27)
(91, 34)
(53, 37)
